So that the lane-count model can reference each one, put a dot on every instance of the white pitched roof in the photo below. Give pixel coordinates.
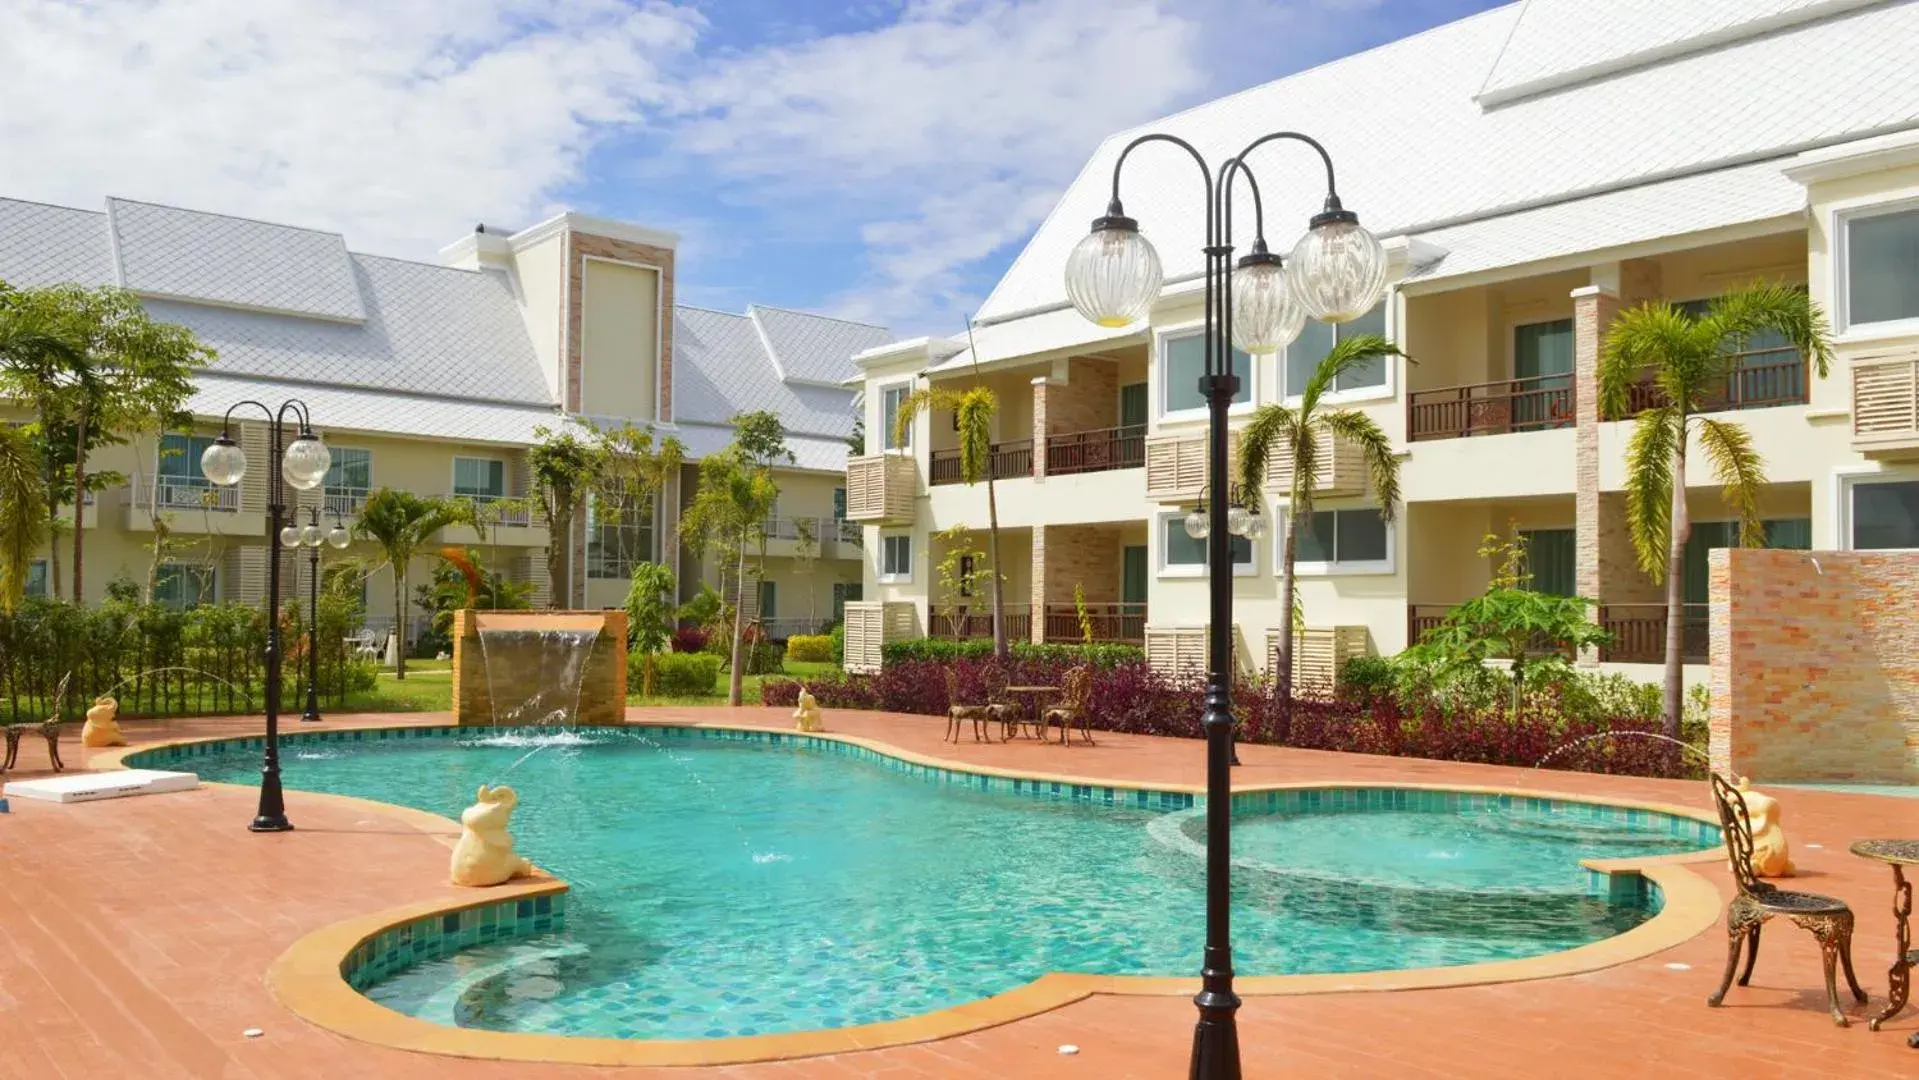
(239, 262)
(811, 452)
(52, 245)
(808, 348)
(1416, 153)
(339, 408)
(722, 368)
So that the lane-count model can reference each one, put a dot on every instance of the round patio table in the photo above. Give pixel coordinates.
(1897, 854)
(1036, 701)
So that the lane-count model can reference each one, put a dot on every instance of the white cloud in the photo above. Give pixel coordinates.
(398, 123)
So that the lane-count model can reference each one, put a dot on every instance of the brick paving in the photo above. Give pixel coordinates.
(134, 935)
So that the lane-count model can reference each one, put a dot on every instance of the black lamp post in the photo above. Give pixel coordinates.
(302, 464)
(311, 538)
(1335, 273)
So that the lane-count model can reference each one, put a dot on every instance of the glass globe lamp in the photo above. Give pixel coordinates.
(1198, 525)
(1338, 269)
(1113, 275)
(1266, 314)
(306, 462)
(224, 462)
(290, 536)
(1255, 525)
(311, 536)
(337, 537)
(1236, 519)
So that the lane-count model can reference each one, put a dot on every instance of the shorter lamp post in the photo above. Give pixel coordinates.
(1243, 520)
(301, 464)
(311, 538)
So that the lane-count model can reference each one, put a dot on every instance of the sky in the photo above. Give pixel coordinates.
(878, 160)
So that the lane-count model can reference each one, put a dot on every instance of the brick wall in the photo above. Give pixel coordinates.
(1621, 581)
(1593, 309)
(1815, 670)
(602, 681)
(1089, 401)
(581, 245)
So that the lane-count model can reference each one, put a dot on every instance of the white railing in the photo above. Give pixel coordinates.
(186, 493)
(821, 529)
(345, 502)
(783, 627)
(518, 515)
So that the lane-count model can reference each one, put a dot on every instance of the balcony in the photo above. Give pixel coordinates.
(1124, 623)
(191, 504)
(1639, 633)
(186, 493)
(1339, 470)
(1005, 461)
(1490, 408)
(880, 489)
(1176, 466)
(1766, 378)
(825, 536)
(345, 502)
(974, 621)
(507, 522)
(1096, 451)
(1885, 406)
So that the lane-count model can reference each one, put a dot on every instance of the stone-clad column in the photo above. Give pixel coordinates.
(1038, 599)
(1593, 309)
(1039, 431)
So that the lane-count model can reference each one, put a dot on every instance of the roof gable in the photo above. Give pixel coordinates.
(235, 262)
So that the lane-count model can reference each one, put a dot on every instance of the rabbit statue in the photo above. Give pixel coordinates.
(807, 716)
(101, 728)
(484, 856)
(1771, 857)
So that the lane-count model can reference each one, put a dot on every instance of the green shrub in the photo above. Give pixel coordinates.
(837, 639)
(812, 648)
(685, 674)
(943, 650)
(1366, 679)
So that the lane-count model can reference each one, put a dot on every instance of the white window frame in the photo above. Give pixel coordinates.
(1370, 568)
(453, 476)
(45, 566)
(886, 430)
(1386, 391)
(886, 578)
(1177, 519)
(1839, 304)
(1849, 481)
(1158, 385)
(213, 579)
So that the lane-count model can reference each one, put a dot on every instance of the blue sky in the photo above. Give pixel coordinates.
(875, 159)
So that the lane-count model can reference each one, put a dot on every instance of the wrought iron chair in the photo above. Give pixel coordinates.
(48, 729)
(1075, 696)
(1828, 919)
(957, 713)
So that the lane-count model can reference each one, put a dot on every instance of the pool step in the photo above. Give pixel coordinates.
(445, 1006)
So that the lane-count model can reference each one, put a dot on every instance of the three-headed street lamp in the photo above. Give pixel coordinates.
(301, 464)
(311, 537)
(1336, 273)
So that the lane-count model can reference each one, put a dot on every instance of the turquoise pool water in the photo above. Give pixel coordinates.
(726, 888)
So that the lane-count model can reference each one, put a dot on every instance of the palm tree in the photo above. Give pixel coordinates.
(1689, 360)
(23, 512)
(973, 410)
(400, 521)
(1298, 430)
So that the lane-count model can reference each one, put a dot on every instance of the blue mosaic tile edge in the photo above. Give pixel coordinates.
(400, 947)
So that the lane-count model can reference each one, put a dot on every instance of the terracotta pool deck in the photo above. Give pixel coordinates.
(135, 934)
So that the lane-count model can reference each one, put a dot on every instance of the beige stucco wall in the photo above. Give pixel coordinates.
(539, 274)
(619, 327)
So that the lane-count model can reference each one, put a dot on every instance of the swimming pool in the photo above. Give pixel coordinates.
(726, 884)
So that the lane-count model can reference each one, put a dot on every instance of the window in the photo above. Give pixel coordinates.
(1182, 362)
(37, 580)
(348, 479)
(844, 593)
(1183, 556)
(896, 558)
(769, 600)
(967, 569)
(1885, 516)
(616, 540)
(839, 504)
(891, 398)
(1552, 560)
(1132, 406)
(181, 585)
(1316, 342)
(1695, 578)
(1356, 541)
(1881, 266)
(482, 479)
(181, 483)
(1132, 574)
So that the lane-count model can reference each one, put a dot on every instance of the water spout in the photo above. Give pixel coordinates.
(535, 666)
(1557, 750)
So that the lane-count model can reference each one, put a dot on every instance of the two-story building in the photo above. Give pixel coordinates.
(1531, 170)
(435, 378)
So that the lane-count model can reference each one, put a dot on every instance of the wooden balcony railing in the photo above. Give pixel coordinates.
(1006, 461)
(975, 620)
(1766, 378)
(1110, 622)
(1421, 618)
(1096, 451)
(1491, 408)
(1639, 633)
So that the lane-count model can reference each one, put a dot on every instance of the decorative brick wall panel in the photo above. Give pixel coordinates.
(579, 247)
(1815, 668)
(1083, 555)
(1041, 392)
(1621, 581)
(1593, 310)
(1089, 401)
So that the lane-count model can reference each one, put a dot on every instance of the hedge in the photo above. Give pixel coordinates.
(1131, 697)
(812, 648)
(945, 650)
(686, 674)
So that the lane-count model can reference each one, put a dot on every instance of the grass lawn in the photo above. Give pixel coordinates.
(428, 687)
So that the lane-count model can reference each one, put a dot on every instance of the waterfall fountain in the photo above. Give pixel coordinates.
(539, 668)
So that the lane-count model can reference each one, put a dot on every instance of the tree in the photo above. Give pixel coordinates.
(806, 557)
(732, 501)
(399, 522)
(1298, 431)
(973, 409)
(761, 439)
(116, 371)
(461, 582)
(649, 616)
(566, 468)
(23, 513)
(1690, 360)
(959, 572)
(635, 473)
(1532, 630)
